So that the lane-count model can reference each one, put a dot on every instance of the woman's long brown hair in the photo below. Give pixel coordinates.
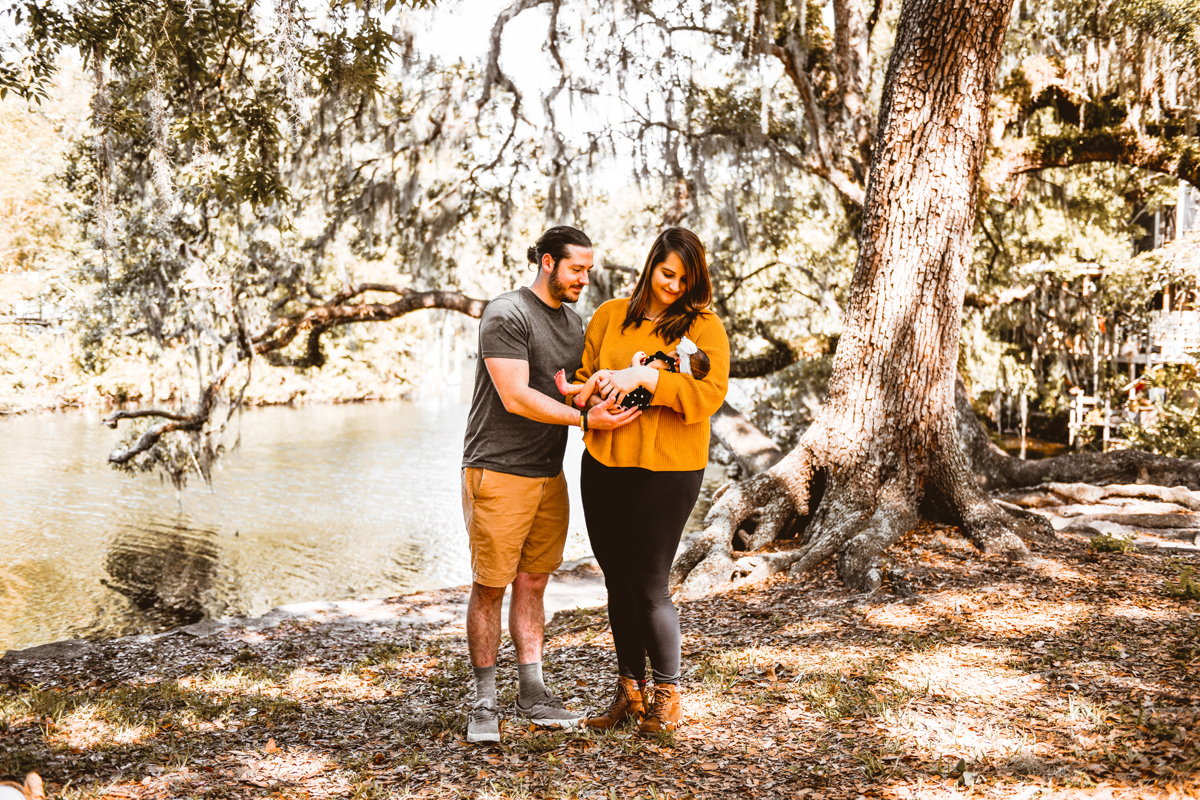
(674, 323)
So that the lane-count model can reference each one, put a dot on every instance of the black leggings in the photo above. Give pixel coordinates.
(635, 518)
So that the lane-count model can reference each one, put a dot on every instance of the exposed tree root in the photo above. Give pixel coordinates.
(763, 503)
(754, 451)
(996, 470)
(857, 516)
(1088, 494)
(993, 528)
(756, 511)
(860, 555)
(1147, 516)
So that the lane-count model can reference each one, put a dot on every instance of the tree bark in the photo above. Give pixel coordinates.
(884, 450)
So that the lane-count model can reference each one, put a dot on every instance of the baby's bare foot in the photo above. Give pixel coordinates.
(560, 380)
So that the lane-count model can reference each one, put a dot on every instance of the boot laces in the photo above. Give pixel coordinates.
(621, 696)
(658, 702)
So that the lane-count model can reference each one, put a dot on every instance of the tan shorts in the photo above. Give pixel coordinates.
(515, 524)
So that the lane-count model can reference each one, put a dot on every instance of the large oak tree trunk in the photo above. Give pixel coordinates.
(884, 449)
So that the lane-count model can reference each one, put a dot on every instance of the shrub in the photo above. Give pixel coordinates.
(1186, 588)
(1107, 543)
(1176, 431)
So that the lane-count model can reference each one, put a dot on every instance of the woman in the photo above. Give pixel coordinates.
(639, 483)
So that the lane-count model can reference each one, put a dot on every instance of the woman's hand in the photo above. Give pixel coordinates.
(616, 385)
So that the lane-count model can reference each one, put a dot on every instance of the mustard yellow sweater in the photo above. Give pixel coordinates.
(673, 433)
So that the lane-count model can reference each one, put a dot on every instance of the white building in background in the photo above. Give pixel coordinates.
(1173, 332)
(1170, 222)
(1187, 210)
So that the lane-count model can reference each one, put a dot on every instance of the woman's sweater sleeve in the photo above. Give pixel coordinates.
(697, 400)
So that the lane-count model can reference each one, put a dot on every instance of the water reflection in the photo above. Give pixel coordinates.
(168, 573)
(319, 503)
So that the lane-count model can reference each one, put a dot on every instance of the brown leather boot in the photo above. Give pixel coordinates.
(628, 704)
(664, 713)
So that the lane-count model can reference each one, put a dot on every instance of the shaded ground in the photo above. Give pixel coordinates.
(1074, 674)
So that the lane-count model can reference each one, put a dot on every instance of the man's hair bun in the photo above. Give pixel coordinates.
(555, 242)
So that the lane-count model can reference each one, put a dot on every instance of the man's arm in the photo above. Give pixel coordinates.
(511, 378)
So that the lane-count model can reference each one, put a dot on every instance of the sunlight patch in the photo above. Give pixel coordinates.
(1128, 610)
(964, 736)
(899, 615)
(1027, 616)
(970, 612)
(85, 728)
(1057, 571)
(276, 764)
(964, 672)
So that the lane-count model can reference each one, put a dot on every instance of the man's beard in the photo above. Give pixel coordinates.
(559, 290)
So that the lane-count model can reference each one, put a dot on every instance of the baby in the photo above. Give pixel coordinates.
(685, 358)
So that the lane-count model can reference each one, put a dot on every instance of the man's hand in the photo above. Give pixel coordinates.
(601, 416)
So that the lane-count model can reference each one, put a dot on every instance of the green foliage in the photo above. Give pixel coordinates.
(35, 231)
(1107, 543)
(1185, 587)
(1175, 431)
(1053, 229)
(351, 63)
(1179, 20)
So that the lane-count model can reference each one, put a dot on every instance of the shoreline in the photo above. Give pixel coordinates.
(108, 406)
(574, 585)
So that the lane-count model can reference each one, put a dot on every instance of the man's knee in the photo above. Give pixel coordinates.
(487, 595)
(531, 582)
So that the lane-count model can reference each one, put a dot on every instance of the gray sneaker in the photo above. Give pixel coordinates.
(550, 712)
(483, 722)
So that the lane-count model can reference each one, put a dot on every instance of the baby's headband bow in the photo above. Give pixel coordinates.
(686, 349)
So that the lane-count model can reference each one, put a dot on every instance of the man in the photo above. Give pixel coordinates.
(514, 493)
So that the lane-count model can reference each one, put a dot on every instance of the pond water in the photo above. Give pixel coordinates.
(317, 503)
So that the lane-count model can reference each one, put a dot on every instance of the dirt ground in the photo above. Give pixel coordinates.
(1073, 674)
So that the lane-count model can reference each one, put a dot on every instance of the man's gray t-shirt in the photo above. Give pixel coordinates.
(519, 325)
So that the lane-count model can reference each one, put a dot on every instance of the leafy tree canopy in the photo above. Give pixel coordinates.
(260, 174)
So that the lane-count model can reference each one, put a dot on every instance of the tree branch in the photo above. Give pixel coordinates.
(146, 412)
(753, 450)
(177, 422)
(779, 356)
(334, 313)
(315, 321)
(1119, 144)
(494, 75)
